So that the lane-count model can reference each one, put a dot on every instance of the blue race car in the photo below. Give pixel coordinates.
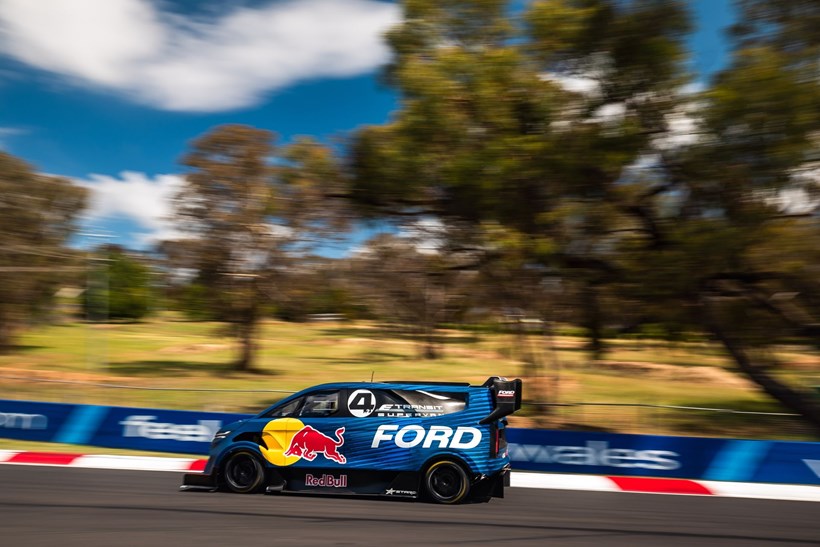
(444, 442)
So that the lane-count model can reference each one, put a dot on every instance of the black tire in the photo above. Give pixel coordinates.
(446, 482)
(243, 473)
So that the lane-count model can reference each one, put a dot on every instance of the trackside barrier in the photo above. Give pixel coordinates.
(187, 432)
(662, 456)
(150, 429)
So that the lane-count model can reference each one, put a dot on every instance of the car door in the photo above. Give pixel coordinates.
(317, 431)
(372, 412)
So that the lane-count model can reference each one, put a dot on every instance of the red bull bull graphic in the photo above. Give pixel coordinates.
(308, 442)
(287, 440)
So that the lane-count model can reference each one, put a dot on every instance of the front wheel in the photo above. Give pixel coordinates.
(244, 473)
(446, 482)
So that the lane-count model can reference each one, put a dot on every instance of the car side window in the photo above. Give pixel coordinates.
(320, 404)
(287, 410)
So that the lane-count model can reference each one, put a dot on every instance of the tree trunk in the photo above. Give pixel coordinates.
(247, 335)
(553, 394)
(592, 321)
(6, 336)
(430, 347)
(796, 401)
(247, 349)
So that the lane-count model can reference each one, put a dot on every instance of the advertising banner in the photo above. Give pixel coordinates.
(543, 450)
(33, 421)
(159, 430)
(147, 429)
(663, 456)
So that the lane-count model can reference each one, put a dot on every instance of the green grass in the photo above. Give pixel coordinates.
(193, 357)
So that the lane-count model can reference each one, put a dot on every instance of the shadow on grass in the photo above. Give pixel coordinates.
(168, 368)
(774, 422)
(395, 333)
(22, 348)
(736, 403)
(364, 357)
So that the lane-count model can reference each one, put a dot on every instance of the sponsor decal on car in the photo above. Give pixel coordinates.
(409, 436)
(393, 491)
(308, 442)
(361, 403)
(506, 393)
(326, 480)
(287, 440)
(392, 410)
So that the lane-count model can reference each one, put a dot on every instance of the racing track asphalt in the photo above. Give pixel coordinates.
(51, 506)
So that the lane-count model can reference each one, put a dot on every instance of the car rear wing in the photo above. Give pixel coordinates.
(506, 396)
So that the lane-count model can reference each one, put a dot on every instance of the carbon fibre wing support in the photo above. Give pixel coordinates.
(506, 396)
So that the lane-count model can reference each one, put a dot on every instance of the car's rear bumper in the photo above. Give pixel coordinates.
(491, 486)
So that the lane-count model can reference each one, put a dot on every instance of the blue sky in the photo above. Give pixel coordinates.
(110, 92)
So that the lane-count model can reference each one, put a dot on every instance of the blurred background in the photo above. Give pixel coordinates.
(615, 200)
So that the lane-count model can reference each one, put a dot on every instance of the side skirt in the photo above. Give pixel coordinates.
(351, 482)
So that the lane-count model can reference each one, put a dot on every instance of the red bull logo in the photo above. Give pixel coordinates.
(328, 481)
(308, 442)
(287, 440)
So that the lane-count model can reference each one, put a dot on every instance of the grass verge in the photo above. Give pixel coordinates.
(187, 365)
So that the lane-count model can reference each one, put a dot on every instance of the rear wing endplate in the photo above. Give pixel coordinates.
(506, 396)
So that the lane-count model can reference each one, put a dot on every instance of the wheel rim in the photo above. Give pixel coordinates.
(242, 472)
(447, 482)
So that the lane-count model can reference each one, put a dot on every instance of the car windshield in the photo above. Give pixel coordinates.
(288, 409)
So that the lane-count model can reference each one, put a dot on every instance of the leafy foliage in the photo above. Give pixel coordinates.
(248, 209)
(38, 215)
(121, 289)
(557, 137)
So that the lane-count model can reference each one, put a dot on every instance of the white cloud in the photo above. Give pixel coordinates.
(693, 88)
(426, 234)
(6, 132)
(574, 84)
(224, 62)
(802, 196)
(136, 197)
(610, 113)
(795, 201)
(684, 128)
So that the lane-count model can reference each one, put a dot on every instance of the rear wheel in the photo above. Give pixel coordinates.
(244, 473)
(446, 482)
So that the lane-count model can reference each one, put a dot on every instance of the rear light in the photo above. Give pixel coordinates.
(501, 440)
(498, 445)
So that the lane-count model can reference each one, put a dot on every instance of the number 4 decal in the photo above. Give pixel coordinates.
(361, 403)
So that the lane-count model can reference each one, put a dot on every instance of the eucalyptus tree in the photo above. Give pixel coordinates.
(247, 212)
(126, 293)
(38, 215)
(413, 282)
(567, 133)
(734, 211)
(523, 125)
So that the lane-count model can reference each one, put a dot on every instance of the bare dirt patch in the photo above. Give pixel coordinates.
(194, 348)
(472, 353)
(675, 373)
(62, 376)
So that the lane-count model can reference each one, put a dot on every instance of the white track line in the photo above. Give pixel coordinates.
(591, 483)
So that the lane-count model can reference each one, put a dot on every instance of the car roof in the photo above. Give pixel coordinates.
(399, 384)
